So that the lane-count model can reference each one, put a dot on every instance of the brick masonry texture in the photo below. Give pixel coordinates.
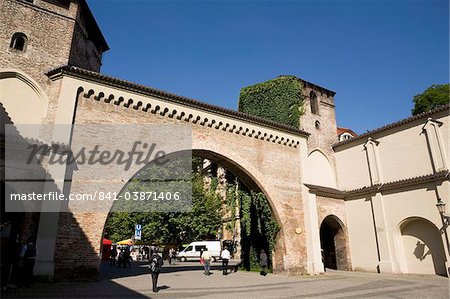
(276, 174)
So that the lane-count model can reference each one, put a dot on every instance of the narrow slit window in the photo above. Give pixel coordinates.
(314, 103)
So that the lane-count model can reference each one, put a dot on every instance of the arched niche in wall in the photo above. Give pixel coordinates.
(22, 98)
(420, 247)
(320, 170)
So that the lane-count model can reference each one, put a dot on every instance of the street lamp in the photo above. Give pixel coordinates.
(441, 208)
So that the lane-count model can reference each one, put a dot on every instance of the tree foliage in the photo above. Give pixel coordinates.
(279, 99)
(433, 97)
(202, 222)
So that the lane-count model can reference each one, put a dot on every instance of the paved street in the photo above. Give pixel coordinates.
(186, 280)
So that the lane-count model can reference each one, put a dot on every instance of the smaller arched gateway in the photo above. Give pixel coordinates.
(334, 244)
(421, 248)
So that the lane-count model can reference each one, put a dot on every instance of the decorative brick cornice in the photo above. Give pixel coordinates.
(367, 190)
(188, 115)
(392, 125)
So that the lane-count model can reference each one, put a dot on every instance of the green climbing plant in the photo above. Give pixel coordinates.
(279, 99)
(259, 227)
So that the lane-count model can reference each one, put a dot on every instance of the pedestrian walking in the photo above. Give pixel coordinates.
(156, 263)
(28, 254)
(120, 259)
(206, 256)
(127, 257)
(225, 255)
(112, 256)
(171, 255)
(263, 262)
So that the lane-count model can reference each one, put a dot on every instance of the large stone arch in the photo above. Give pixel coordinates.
(420, 247)
(270, 159)
(334, 243)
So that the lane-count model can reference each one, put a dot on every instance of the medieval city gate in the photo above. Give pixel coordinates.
(268, 153)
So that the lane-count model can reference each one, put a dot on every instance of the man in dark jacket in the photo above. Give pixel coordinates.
(263, 262)
(28, 254)
(156, 263)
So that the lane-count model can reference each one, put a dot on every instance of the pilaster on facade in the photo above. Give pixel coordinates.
(373, 160)
(435, 144)
(385, 246)
(315, 264)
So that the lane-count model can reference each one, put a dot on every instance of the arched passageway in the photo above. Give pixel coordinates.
(423, 251)
(243, 216)
(334, 244)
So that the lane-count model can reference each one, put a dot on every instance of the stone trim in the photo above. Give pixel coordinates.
(392, 125)
(347, 195)
(211, 121)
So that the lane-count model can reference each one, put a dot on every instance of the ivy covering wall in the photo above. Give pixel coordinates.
(259, 227)
(279, 99)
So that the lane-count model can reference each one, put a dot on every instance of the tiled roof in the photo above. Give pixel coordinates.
(393, 125)
(180, 100)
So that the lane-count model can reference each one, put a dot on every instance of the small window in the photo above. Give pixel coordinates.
(314, 102)
(200, 248)
(317, 125)
(345, 136)
(189, 248)
(19, 42)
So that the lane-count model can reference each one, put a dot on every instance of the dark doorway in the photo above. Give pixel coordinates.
(333, 242)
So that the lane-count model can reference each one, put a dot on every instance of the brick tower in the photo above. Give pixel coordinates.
(38, 35)
(319, 117)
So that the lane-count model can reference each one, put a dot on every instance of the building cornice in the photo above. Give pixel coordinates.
(368, 190)
(326, 191)
(392, 125)
(170, 97)
(312, 85)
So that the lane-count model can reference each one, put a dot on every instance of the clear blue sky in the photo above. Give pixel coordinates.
(376, 55)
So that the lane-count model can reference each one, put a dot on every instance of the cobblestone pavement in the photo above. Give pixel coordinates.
(186, 280)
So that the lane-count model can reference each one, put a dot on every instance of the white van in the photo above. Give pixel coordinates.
(192, 252)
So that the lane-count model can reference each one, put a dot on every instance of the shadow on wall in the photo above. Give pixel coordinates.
(423, 248)
(75, 258)
(419, 252)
